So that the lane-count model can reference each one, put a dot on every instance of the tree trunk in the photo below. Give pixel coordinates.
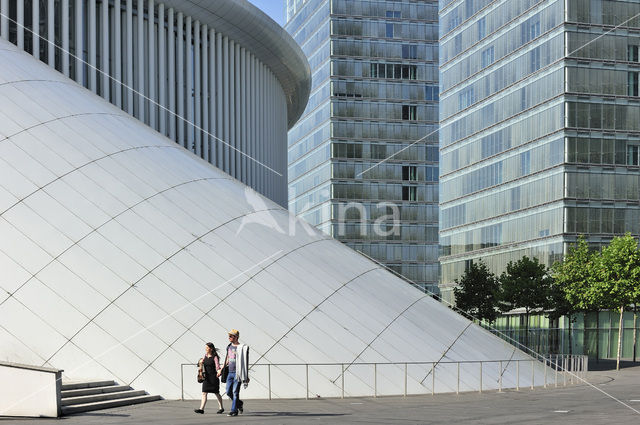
(619, 338)
(635, 331)
(570, 345)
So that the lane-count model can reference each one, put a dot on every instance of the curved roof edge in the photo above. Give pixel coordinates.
(253, 29)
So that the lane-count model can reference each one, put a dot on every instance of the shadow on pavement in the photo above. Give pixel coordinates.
(294, 414)
(608, 364)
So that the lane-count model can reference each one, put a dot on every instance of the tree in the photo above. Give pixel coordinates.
(617, 279)
(571, 278)
(524, 284)
(476, 292)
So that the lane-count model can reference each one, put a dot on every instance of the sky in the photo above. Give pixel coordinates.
(273, 8)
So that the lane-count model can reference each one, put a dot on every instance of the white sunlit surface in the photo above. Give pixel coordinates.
(123, 253)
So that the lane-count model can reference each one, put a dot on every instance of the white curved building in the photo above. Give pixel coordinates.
(235, 76)
(122, 254)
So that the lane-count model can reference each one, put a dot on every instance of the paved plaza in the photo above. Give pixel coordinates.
(578, 404)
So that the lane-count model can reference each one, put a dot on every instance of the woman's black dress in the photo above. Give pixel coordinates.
(211, 383)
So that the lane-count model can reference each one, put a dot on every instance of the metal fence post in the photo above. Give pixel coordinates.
(342, 365)
(556, 373)
(375, 380)
(405, 379)
(545, 372)
(533, 375)
(269, 374)
(517, 375)
(500, 377)
(564, 368)
(307, 372)
(480, 377)
(182, 382)
(458, 384)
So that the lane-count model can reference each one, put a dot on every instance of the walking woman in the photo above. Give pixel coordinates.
(211, 383)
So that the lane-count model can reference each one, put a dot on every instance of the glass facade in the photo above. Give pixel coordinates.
(374, 96)
(540, 128)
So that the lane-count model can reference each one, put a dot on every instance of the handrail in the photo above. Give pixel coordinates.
(573, 365)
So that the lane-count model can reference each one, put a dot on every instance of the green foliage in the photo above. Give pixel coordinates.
(616, 274)
(572, 282)
(476, 292)
(524, 284)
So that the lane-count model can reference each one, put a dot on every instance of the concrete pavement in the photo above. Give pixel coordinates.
(579, 404)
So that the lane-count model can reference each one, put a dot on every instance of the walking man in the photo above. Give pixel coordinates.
(237, 359)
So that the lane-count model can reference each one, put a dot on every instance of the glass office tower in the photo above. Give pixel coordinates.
(374, 96)
(540, 121)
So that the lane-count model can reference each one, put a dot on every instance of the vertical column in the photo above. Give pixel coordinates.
(20, 23)
(140, 61)
(180, 80)
(162, 81)
(205, 93)
(237, 119)
(117, 57)
(189, 94)
(196, 90)
(65, 37)
(35, 27)
(4, 19)
(225, 103)
(231, 122)
(243, 115)
(79, 40)
(92, 23)
(104, 56)
(151, 75)
(171, 82)
(219, 101)
(129, 89)
(252, 118)
(212, 95)
(51, 35)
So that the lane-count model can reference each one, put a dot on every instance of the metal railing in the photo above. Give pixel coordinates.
(558, 370)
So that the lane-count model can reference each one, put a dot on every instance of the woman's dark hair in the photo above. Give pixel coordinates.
(214, 350)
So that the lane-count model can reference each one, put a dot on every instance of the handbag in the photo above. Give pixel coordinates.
(201, 371)
(224, 374)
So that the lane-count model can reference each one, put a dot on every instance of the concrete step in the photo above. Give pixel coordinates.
(107, 404)
(95, 390)
(92, 384)
(68, 401)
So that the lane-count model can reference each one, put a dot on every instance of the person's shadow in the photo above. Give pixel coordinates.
(292, 414)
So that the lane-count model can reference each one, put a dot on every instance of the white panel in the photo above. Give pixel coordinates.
(35, 333)
(35, 28)
(73, 289)
(51, 307)
(113, 258)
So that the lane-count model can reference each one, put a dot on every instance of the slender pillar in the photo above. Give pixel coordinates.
(219, 101)
(180, 80)
(152, 78)
(212, 95)
(117, 57)
(162, 66)
(91, 29)
(189, 94)
(79, 40)
(225, 121)
(65, 37)
(20, 23)
(104, 44)
(35, 27)
(231, 140)
(204, 137)
(252, 120)
(4, 19)
(129, 90)
(171, 81)
(237, 117)
(196, 90)
(51, 35)
(245, 114)
(140, 62)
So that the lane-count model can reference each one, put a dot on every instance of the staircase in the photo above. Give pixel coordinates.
(80, 397)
